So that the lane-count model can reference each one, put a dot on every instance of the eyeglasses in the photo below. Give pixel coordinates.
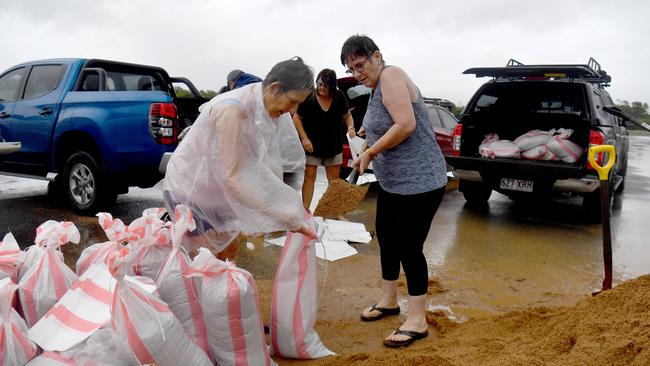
(359, 67)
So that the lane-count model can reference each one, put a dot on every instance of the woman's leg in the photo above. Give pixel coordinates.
(417, 212)
(388, 237)
(332, 172)
(308, 185)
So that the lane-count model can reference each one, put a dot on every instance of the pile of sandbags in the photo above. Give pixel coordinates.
(534, 145)
(139, 298)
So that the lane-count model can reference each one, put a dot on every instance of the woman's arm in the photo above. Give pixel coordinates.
(304, 139)
(397, 100)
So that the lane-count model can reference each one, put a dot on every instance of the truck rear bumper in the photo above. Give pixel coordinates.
(578, 185)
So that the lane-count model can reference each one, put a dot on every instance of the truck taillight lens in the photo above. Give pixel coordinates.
(163, 123)
(596, 138)
(455, 140)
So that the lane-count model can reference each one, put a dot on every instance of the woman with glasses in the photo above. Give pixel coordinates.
(319, 121)
(411, 172)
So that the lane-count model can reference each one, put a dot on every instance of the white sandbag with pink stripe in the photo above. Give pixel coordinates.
(532, 138)
(152, 331)
(10, 257)
(34, 253)
(565, 149)
(492, 147)
(152, 242)
(179, 291)
(230, 304)
(81, 311)
(116, 232)
(49, 279)
(541, 152)
(293, 308)
(15, 347)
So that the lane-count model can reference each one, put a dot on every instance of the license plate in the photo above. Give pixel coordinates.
(517, 185)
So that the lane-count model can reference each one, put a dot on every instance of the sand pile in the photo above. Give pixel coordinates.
(612, 328)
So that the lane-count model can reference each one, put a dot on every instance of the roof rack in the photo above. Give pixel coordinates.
(591, 72)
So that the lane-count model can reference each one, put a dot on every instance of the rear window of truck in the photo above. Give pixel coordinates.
(531, 97)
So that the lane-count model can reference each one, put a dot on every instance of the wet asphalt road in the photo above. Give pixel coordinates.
(508, 255)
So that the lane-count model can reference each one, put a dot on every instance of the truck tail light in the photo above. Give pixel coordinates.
(163, 123)
(596, 138)
(455, 140)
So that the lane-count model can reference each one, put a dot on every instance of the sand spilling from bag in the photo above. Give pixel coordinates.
(612, 328)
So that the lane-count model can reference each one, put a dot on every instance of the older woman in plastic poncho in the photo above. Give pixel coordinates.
(228, 169)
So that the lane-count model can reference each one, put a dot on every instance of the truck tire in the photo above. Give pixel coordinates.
(85, 185)
(474, 192)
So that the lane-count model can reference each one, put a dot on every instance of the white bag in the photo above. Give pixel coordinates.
(151, 329)
(293, 312)
(565, 150)
(15, 347)
(10, 257)
(179, 291)
(47, 281)
(153, 242)
(532, 139)
(541, 152)
(116, 232)
(34, 253)
(492, 147)
(230, 304)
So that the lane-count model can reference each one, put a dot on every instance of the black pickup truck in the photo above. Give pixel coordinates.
(521, 98)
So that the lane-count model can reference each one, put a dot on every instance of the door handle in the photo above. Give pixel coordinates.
(45, 111)
(4, 115)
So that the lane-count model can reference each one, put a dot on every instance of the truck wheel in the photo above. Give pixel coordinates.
(86, 187)
(474, 192)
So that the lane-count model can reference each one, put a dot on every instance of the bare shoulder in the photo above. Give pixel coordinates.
(393, 74)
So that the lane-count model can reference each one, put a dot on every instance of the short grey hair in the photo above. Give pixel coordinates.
(291, 74)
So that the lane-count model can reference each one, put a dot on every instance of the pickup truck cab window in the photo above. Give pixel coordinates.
(42, 80)
(9, 84)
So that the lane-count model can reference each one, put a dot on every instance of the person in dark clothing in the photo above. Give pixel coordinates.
(411, 173)
(237, 78)
(319, 120)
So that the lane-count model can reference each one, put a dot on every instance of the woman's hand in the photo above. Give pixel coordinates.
(363, 160)
(306, 144)
(361, 133)
(306, 231)
(352, 133)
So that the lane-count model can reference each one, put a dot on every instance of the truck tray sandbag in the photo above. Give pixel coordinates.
(532, 139)
(565, 150)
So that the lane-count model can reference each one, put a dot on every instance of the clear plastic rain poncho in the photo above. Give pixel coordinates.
(228, 170)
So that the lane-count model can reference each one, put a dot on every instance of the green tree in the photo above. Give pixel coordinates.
(182, 92)
(209, 94)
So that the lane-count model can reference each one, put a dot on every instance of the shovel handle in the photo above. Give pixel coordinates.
(603, 171)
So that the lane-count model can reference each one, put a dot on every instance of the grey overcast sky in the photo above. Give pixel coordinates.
(434, 41)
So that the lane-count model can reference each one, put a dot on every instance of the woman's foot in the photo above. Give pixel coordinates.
(403, 337)
(378, 311)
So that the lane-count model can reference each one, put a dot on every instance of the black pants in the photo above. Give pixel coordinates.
(402, 225)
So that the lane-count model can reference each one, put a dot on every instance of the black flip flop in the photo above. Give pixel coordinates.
(414, 336)
(383, 312)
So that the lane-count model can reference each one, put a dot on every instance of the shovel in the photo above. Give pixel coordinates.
(603, 175)
(341, 196)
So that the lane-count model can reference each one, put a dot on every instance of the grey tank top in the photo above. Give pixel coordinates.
(414, 166)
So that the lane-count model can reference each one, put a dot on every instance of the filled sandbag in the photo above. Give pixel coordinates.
(565, 150)
(293, 308)
(541, 152)
(179, 291)
(532, 139)
(492, 147)
(15, 347)
(10, 257)
(151, 242)
(230, 305)
(152, 331)
(116, 232)
(50, 278)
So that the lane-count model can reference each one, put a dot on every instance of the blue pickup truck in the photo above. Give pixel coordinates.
(93, 128)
